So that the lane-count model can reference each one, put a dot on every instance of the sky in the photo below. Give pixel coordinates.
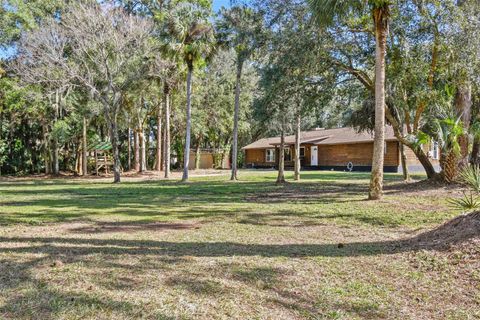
(217, 4)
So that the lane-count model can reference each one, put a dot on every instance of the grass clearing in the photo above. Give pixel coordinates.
(156, 249)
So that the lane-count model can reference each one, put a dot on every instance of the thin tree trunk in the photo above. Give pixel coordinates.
(297, 147)
(166, 157)
(159, 139)
(463, 105)
(475, 156)
(381, 30)
(115, 148)
(56, 166)
(136, 146)
(78, 163)
(46, 150)
(141, 137)
(129, 146)
(403, 158)
(281, 159)
(186, 155)
(235, 119)
(197, 157)
(84, 148)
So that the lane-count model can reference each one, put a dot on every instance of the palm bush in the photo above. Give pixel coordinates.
(470, 201)
(471, 177)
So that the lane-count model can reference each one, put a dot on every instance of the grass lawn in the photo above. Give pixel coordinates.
(213, 249)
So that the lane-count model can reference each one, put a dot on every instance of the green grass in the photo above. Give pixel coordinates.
(319, 197)
(211, 248)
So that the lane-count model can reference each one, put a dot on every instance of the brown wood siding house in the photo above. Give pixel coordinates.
(326, 149)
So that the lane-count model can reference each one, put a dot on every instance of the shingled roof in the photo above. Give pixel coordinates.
(323, 137)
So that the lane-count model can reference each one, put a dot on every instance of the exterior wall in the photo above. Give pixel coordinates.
(256, 157)
(338, 156)
(360, 154)
(412, 158)
(206, 161)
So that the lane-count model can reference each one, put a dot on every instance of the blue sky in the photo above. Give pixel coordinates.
(217, 4)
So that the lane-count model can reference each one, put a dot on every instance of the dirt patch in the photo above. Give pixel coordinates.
(131, 227)
(128, 175)
(307, 191)
(422, 187)
(464, 229)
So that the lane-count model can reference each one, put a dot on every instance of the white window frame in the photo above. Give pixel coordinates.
(435, 150)
(272, 155)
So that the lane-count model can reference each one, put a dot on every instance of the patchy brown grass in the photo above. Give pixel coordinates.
(252, 250)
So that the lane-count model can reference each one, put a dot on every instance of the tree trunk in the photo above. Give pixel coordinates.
(166, 157)
(115, 148)
(136, 146)
(421, 156)
(403, 158)
(46, 150)
(449, 164)
(197, 157)
(55, 160)
(475, 156)
(297, 147)
(129, 146)
(84, 148)
(381, 31)
(235, 119)
(159, 139)
(56, 166)
(186, 155)
(463, 105)
(143, 155)
(78, 161)
(281, 159)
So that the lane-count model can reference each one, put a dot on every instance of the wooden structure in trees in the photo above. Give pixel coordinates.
(102, 155)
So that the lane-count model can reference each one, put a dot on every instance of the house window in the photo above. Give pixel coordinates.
(302, 152)
(435, 150)
(287, 156)
(270, 155)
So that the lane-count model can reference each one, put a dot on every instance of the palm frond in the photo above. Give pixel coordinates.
(325, 11)
(468, 202)
(471, 177)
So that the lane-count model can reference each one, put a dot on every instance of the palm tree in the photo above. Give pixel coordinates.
(325, 11)
(192, 36)
(240, 28)
(447, 133)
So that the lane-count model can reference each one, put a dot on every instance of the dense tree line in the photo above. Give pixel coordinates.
(158, 79)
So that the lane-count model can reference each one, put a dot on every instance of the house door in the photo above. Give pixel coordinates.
(314, 156)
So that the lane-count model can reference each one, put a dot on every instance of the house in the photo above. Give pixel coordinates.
(333, 149)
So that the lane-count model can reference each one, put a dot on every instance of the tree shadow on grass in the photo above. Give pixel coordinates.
(43, 302)
(167, 200)
(48, 303)
(456, 231)
(132, 226)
